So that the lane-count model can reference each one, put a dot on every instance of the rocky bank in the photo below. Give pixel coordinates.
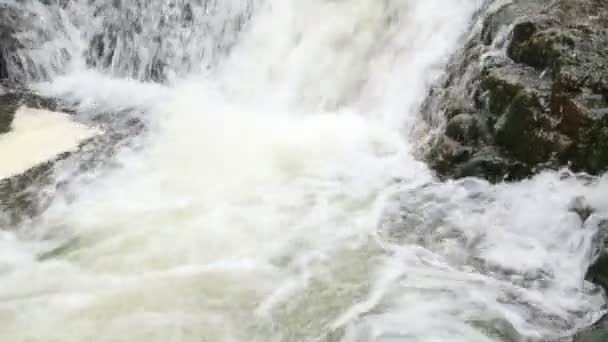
(529, 91)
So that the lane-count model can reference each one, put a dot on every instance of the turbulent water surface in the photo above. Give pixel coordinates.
(274, 192)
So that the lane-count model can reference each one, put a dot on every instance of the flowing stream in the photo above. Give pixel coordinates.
(276, 192)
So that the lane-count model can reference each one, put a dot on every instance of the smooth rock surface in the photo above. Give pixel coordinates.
(38, 136)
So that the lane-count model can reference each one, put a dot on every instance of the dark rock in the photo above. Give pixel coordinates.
(18, 200)
(9, 17)
(487, 164)
(495, 21)
(8, 105)
(467, 127)
(597, 333)
(500, 329)
(580, 207)
(598, 271)
(537, 47)
(542, 103)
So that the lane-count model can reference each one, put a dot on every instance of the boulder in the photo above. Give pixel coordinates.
(7, 110)
(529, 91)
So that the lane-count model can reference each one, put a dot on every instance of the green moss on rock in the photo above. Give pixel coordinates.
(545, 103)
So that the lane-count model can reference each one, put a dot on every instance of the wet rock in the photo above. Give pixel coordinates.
(8, 43)
(542, 95)
(8, 105)
(486, 163)
(467, 127)
(496, 20)
(13, 96)
(14, 193)
(580, 207)
(529, 91)
(598, 271)
(597, 333)
(17, 196)
(102, 54)
(537, 44)
(500, 329)
(38, 139)
(17, 200)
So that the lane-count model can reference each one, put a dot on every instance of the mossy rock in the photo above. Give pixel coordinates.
(489, 164)
(539, 49)
(501, 90)
(507, 15)
(468, 129)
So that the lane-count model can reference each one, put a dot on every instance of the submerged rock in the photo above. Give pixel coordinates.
(598, 271)
(580, 207)
(529, 91)
(597, 333)
(157, 40)
(7, 111)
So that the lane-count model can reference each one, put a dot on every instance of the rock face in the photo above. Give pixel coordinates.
(9, 98)
(8, 44)
(529, 91)
(156, 40)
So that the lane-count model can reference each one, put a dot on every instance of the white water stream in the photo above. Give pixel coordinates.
(276, 195)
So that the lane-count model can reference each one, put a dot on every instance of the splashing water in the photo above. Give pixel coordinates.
(275, 194)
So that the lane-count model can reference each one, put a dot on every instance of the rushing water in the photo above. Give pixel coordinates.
(275, 194)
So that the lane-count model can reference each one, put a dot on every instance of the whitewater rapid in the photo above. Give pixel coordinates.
(276, 193)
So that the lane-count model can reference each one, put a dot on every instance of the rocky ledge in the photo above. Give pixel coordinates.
(529, 91)
(23, 190)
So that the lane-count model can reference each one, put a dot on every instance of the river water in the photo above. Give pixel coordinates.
(276, 192)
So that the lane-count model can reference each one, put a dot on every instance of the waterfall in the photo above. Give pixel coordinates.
(271, 189)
